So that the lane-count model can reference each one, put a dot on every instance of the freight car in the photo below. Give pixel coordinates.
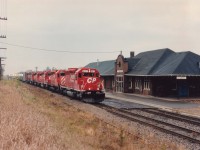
(81, 83)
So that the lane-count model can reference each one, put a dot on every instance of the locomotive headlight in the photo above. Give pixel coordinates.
(89, 88)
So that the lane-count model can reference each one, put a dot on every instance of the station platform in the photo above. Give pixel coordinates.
(157, 102)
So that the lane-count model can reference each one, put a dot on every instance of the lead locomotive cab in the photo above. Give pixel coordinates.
(90, 86)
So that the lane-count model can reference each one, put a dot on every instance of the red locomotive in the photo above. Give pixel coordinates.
(55, 78)
(40, 78)
(28, 77)
(82, 83)
(46, 78)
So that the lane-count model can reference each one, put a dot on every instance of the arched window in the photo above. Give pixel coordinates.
(119, 64)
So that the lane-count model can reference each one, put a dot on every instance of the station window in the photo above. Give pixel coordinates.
(119, 64)
(137, 84)
(146, 84)
(130, 84)
(113, 83)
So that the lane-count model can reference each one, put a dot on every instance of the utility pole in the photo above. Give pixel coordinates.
(3, 26)
(1, 67)
(1, 70)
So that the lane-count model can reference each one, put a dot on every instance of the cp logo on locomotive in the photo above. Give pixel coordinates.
(91, 80)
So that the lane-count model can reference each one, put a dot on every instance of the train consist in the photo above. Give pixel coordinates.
(81, 83)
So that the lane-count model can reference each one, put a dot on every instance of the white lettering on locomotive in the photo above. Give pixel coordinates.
(91, 80)
(93, 71)
(84, 70)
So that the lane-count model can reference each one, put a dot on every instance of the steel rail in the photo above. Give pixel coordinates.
(155, 120)
(181, 118)
(123, 114)
(180, 115)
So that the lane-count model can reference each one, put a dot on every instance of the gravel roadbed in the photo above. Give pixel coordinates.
(131, 127)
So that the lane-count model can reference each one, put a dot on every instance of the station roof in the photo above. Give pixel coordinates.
(161, 62)
(106, 68)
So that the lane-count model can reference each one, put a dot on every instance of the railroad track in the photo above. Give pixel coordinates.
(174, 116)
(169, 128)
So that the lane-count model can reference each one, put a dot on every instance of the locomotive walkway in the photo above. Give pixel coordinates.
(163, 103)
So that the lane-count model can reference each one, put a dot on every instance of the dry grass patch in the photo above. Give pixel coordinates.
(32, 118)
(24, 127)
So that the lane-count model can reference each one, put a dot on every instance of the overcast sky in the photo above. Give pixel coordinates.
(97, 26)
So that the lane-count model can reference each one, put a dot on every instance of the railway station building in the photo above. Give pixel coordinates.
(162, 73)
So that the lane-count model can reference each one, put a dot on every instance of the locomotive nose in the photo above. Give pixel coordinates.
(91, 80)
(93, 88)
(92, 84)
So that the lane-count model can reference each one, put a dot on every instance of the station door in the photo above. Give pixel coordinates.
(119, 84)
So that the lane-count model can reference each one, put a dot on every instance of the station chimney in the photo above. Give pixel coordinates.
(132, 54)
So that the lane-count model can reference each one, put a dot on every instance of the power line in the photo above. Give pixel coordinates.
(53, 50)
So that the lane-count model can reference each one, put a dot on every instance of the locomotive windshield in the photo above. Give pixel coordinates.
(87, 74)
(50, 73)
(62, 74)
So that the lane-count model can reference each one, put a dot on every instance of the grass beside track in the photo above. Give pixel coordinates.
(31, 118)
